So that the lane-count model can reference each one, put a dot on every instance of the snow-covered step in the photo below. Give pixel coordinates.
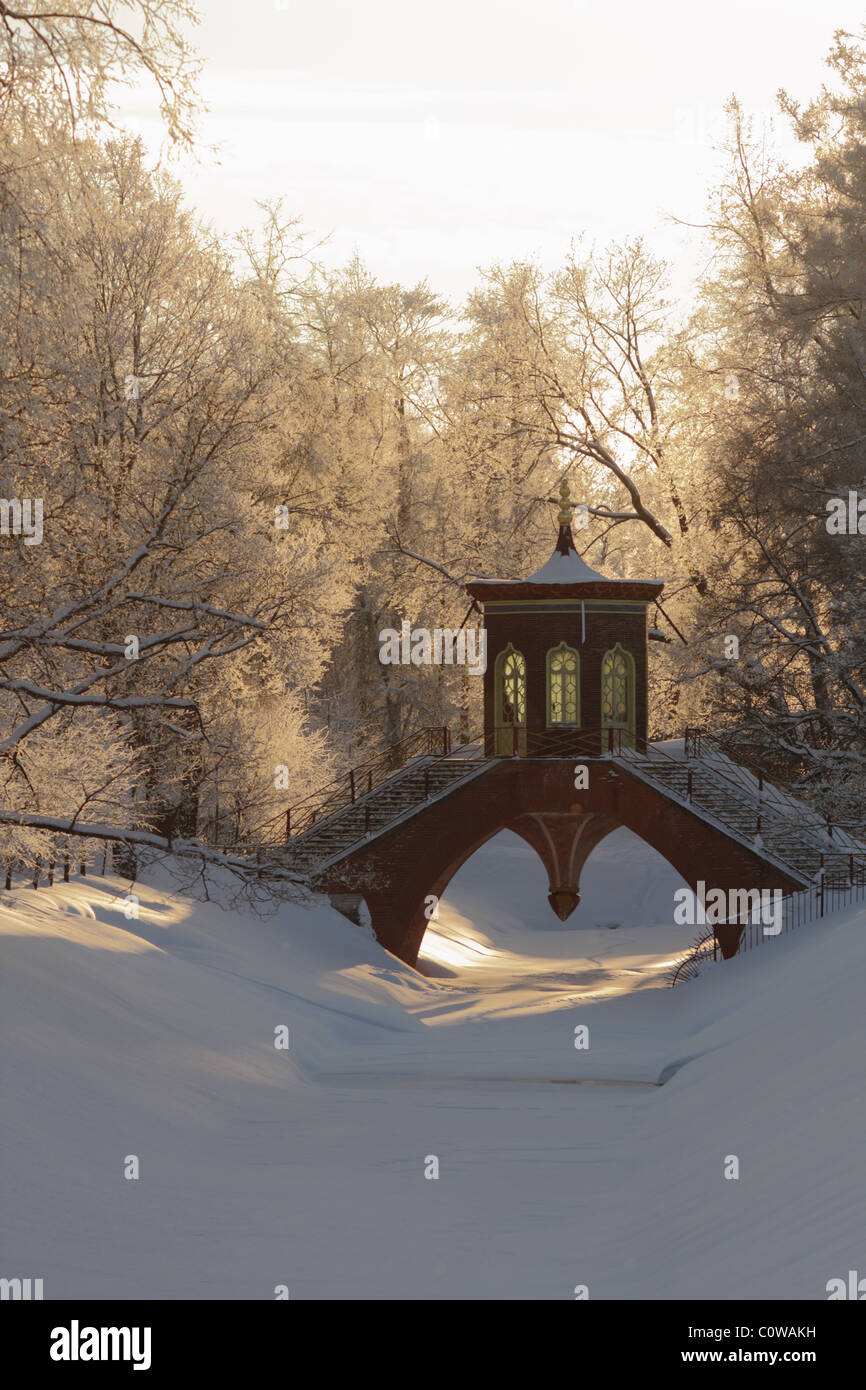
(403, 795)
(787, 837)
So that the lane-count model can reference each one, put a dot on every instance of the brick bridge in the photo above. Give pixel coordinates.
(402, 840)
(537, 800)
(566, 683)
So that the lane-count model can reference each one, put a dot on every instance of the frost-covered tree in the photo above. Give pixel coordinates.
(60, 65)
(141, 404)
(779, 358)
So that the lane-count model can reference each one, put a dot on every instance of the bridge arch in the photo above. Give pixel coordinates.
(402, 868)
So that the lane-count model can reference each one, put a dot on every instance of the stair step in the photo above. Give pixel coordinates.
(799, 845)
(374, 811)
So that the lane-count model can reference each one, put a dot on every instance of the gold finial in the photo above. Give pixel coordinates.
(564, 504)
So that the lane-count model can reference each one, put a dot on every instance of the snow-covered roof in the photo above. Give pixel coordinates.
(565, 569)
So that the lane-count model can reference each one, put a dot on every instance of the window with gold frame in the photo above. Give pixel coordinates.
(510, 690)
(617, 691)
(563, 686)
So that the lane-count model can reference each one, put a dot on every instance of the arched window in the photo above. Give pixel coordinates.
(617, 693)
(510, 681)
(563, 686)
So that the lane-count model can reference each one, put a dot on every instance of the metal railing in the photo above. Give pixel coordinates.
(418, 780)
(359, 781)
(558, 743)
(798, 909)
(436, 744)
(706, 947)
(766, 812)
(699, 741)
(754, 814)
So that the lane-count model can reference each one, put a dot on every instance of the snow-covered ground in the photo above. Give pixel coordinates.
(261, 1167)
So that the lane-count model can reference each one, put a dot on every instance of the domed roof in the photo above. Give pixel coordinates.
(565, 566)
(565, 574)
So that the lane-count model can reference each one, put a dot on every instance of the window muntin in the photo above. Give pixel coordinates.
(510, 695)
(617, 690)
(512, 687)
(563, 686)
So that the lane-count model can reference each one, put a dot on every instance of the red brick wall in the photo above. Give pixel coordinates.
(534, 632)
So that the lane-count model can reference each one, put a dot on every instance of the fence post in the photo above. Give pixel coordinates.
(689, 785)
(352, 784)
(426, 783)
(289, 824)
(822, 885)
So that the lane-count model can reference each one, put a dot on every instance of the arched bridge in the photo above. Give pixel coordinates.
(396, 839)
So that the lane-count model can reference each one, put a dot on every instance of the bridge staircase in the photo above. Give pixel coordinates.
(375, 796)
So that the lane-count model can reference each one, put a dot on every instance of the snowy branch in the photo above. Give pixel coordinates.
(182, 848)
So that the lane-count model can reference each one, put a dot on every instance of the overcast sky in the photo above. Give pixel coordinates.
(436, 138)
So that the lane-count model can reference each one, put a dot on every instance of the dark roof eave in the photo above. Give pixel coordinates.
(501, 590)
